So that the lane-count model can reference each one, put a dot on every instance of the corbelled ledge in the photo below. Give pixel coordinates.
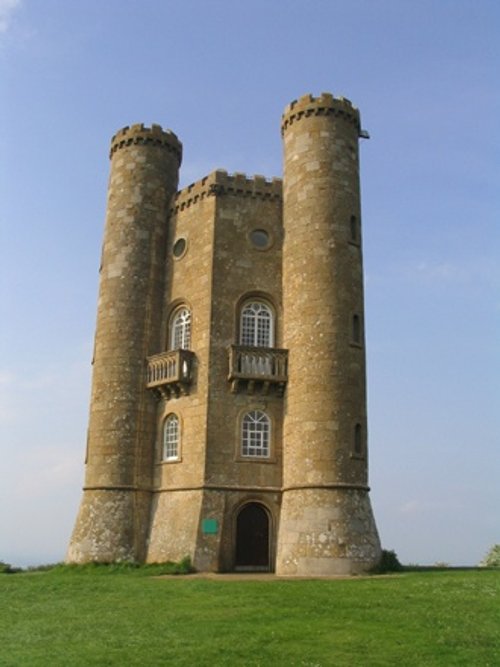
(148, 136)
(325, 104)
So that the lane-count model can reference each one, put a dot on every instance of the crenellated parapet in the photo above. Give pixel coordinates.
(155, 135)
(219, 182)
(324, 105)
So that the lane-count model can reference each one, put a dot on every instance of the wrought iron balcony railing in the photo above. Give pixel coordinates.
(258, 368)
(170, 373)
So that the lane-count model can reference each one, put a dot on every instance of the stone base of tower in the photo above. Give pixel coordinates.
(175, 519)
(326, 532)
(105, 527)
(220, 530)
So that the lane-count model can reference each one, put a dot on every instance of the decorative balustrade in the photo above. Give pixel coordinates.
(258, 368)
(170, 373)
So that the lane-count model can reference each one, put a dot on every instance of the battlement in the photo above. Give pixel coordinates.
(219, 182)
(152, 136)
(324, 105)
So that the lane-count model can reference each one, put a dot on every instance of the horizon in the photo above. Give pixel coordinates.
(421, 75)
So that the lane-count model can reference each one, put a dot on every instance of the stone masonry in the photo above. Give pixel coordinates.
(228, 410)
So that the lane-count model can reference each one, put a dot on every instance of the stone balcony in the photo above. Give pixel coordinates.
(170, 373)
(258, 369)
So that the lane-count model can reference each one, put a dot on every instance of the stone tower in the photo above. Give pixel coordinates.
(326, 523)
(228, 411)
(114, 514)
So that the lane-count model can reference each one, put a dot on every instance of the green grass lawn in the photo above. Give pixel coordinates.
(72, 618)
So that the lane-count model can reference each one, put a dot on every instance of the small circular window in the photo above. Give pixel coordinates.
(179, 247)
(260, 239)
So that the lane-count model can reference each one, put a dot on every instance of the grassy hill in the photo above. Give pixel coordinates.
(95, 616)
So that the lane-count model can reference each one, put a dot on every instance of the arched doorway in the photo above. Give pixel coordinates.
(252, 538)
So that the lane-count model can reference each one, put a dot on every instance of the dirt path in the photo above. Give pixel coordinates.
(256, 576)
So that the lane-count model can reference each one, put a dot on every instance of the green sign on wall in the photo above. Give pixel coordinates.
(209, 526)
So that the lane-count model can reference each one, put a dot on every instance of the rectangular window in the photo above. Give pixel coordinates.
(255, 434)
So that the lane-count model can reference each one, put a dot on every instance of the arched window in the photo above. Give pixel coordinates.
(180, 329)
(255, 434)
(171, 439)
(358, 442)
(256, 325)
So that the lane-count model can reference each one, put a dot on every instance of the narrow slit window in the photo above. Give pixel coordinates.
(354, 229)
(358, 440)
(356, 329)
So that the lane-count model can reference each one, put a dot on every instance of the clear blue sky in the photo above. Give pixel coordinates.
(425, 75)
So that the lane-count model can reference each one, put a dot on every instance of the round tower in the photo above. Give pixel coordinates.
(326, 524)
(113, 518)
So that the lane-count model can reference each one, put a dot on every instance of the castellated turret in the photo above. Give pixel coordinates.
(114, 513)
(326, 524)
(228, 410)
